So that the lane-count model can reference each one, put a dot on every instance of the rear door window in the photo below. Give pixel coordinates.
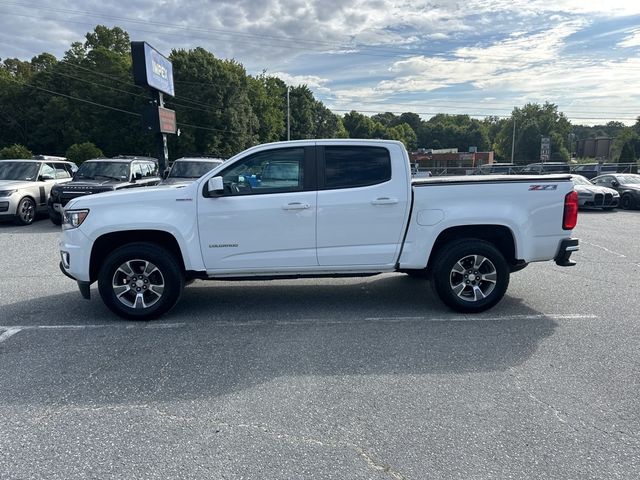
(355, 166)
(61, 171)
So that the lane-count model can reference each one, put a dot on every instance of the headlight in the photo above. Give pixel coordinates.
(73, 218)
(7, 193)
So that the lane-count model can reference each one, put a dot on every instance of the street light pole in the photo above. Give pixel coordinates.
(288, 115)
(513, 139)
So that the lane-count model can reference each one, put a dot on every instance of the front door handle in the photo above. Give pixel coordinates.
(296, 206)
(384, 201)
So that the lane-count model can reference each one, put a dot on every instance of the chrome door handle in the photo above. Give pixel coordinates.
(384, 201)
(296, 206)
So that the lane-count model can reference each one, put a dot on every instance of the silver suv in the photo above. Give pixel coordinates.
(25, 186)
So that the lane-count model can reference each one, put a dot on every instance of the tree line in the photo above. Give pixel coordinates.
(86, 105)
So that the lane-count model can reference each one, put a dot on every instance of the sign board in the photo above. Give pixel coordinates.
(545, 149)
(151, 68)
(158, 119)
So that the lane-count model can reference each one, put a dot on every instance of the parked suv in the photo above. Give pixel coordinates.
(103, 175)
(25, 186)
(188, 169)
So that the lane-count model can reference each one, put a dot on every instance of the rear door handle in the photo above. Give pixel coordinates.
(296, 206)
(384, 201)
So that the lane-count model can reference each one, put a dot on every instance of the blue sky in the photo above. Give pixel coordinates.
(479, 57)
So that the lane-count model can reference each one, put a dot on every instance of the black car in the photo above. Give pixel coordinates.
(626, 184)
(103, 175)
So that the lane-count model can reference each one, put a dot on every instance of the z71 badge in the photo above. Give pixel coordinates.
(552, 186)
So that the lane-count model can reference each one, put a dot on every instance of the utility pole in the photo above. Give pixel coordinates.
(288, 115)
(513, 139)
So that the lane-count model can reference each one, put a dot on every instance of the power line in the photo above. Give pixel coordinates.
(71, 97)
(76, 98)
(470, 114)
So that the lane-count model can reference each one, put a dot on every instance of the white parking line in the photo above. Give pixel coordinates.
(8, 332)
(480, 318)
(620, 255)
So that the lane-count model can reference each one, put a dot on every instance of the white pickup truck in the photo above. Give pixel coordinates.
(317, 208)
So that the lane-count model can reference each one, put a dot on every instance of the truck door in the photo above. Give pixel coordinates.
(363, 202)
(266, 218)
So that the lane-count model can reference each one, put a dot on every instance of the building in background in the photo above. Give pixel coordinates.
(449, 158)
(598, 147)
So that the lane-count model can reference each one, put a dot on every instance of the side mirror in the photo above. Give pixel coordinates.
(165, 174)
(215, 186)
(137, 176)
(43, 178)
(615, 184)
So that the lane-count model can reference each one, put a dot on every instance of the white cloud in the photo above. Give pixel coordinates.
(632, 40)
(312, 81)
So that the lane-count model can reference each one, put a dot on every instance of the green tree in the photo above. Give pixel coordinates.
(213, 104)
(386, 119)
(453, 131)
(79, 152)
(360, 126)
(628, 154)
(328, 124)
(403, 133)
(627, 136)
(267, 96)
(534, 121)
(15, 151)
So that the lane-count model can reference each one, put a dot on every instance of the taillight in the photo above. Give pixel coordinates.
(570, 217)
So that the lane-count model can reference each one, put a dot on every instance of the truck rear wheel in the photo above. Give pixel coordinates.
(470, 275)
(140, 281)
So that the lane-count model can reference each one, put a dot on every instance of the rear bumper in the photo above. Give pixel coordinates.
(567, 247)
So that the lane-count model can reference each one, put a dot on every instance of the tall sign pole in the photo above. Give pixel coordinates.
(155, 72)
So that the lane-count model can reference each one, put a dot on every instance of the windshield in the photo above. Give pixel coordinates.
(114, 170)
(628, 179)
(26, 171)
(579, 180)
(191, 169)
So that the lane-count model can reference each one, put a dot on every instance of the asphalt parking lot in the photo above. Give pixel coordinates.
(333, 379)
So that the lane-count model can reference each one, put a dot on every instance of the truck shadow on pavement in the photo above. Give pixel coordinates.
(226, 337)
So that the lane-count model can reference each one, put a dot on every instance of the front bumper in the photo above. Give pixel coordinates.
(75, 251)
(85, 291)
(9, 205)
(567, 247)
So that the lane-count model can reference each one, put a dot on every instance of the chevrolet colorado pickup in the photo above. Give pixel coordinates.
(317, 208)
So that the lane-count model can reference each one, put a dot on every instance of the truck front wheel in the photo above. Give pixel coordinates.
(140, 281)
(470, 275)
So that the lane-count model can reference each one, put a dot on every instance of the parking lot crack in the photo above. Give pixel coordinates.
(561, 416)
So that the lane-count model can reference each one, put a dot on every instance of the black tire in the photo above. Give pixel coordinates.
(460, 256)
(55, 217)
(136, 257)
(26, 212)
(627, 202)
